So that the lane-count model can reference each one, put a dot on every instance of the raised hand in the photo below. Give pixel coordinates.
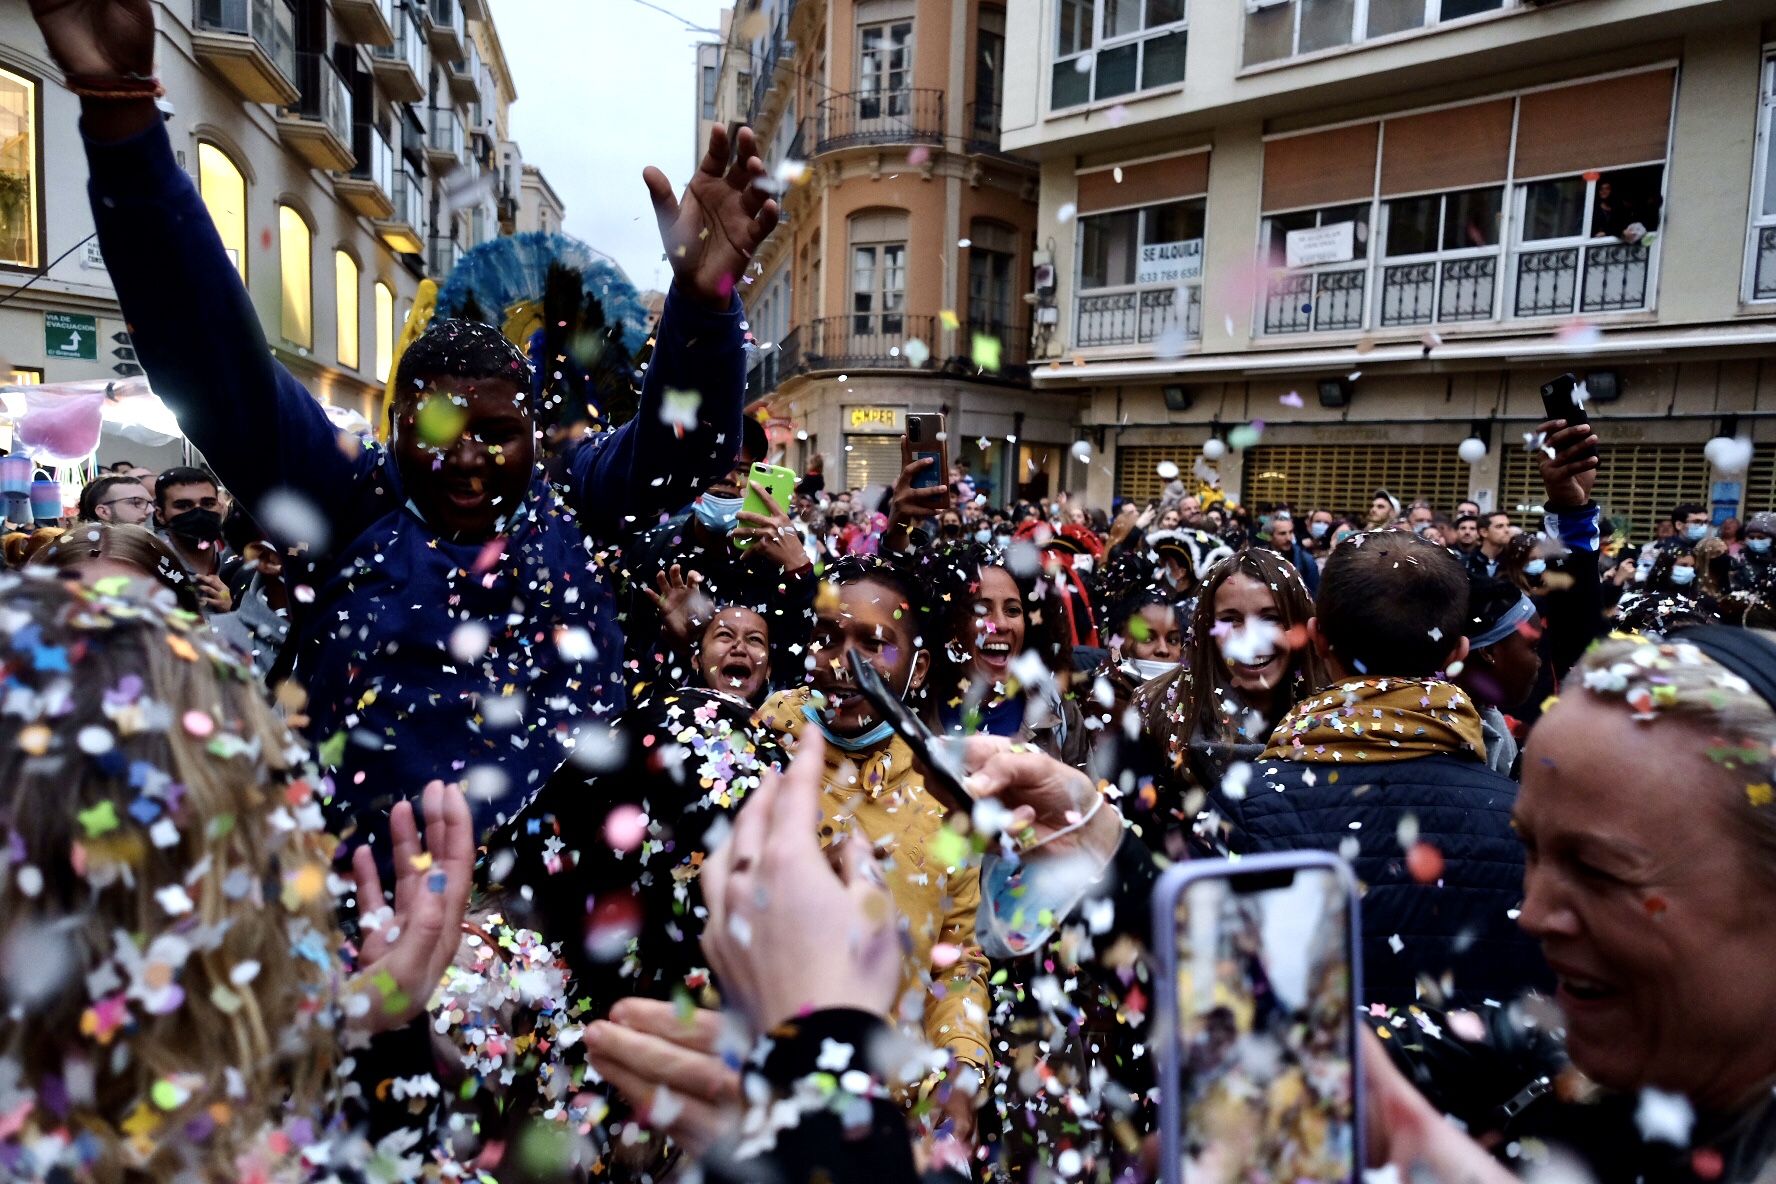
(403, 953)
(1567, 476)
(669, 1067)
(684, 606)
(711, 233)
(98, 37)
(772, 536)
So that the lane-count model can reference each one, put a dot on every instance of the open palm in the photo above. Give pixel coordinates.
(710, 233)
(98, 37)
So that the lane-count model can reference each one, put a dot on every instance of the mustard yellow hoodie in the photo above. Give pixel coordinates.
(880, 793)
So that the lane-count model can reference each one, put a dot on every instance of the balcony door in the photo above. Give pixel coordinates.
(878, 281)
(884, 71)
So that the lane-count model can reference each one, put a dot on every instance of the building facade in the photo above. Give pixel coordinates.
(1377, 227)
(897, 282)
(347, 149)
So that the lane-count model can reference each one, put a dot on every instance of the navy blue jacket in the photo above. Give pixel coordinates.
(1463, 923)
(390, 706)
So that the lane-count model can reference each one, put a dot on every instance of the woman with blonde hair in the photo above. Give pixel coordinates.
(96, 551)
(176, 987)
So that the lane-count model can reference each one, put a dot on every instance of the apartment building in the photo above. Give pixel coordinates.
(347, 149)
(896, 284)
(1378, 226)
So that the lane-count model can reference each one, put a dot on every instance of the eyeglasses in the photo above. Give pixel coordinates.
(134, 503)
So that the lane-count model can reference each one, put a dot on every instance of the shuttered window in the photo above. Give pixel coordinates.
(1637, 484)
(1760, 482)
(1343, 478)
(871, 460)
(1136, 475)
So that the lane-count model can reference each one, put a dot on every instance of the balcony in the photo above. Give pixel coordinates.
(401, 230)
(401, 66)
(251, 44)
(1316, 301)
(465, 74)
(1609, 276)
(881, 117)
(450, 30)
(442, 257)
(446, 143)
(980, 127)
(762, 379)
(860, 341)
(318, 128)
(1438, 292)
(364, 21)
(370, 187)
(1013, 339)
(1139, 317)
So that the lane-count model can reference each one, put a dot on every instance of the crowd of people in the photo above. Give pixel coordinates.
(450, 807)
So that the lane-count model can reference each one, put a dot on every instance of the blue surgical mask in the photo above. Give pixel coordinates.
(1682, 576)
(863, 743)
(1695, 532)
(1758, 546)
(1319, 529)
(719, 514)
(983, 537)
(1535, 567)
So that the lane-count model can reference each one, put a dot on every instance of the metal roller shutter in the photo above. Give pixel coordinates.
(1136, 478)
(1760, 482)
(1637, 484)
(1343, 478)
(871, 460)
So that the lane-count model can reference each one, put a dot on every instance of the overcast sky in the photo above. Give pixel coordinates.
(605, 88)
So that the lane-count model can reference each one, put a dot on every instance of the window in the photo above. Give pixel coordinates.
(294, 257)
(1140, 275)
(23, 376)
(1761, 270)
(1326, 287)
(385, 331)
(345, 301)
(878, 288)
(20, 214)
(1441, 257)
(224, 193)
(1585, 242)
(989, 73)
(992, 278)
(884, 69)
(1278, 29)
(710, 79)
(1106, 48)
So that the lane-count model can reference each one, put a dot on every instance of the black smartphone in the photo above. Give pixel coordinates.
(943, 761)
(927, 437)
(1261, 1078)
(1558, 403)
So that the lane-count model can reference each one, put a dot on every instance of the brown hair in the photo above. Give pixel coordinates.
(1392, 604)
(135, 545)
(147, 788)
(21, 547)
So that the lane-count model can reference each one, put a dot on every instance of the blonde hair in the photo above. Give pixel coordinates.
(165, 922)
(1671, 680)
(134, 545)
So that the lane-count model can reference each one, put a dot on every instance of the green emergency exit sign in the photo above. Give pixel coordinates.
(70, 335)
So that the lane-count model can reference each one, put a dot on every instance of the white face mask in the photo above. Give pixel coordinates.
(1082, 564)
(1146, 670)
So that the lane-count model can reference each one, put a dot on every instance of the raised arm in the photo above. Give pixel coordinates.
(687, 429)
(190, 319)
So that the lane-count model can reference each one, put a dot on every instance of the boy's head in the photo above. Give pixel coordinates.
(1391, 604)
(462, 427)
(878, 609)
(188, 502)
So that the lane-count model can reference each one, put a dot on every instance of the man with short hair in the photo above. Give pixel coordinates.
(1281, 539)
(453, 615)
(1495, 534)
(116, 501)
(1190, 511)
(1419, 516)
(1390, 742)
(1467, 507)
(1384, 510)
(1467, 533)
(189, 506)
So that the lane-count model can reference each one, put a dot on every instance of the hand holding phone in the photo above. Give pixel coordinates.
(1559, 401)
(776, 481)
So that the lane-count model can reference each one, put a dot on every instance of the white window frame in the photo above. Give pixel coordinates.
(1583, 241)
(1758, 221)
(1366, 265)
(1433, 18)
(878, 83)
(1187, 292)
(1099, 45)
(1497, 251)
(881, 308)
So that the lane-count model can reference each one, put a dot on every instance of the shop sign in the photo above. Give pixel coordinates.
(1170, 263)
(1336, 243)
(70, 335)
(884, 420)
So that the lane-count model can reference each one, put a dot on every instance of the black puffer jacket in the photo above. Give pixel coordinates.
(1460, 924)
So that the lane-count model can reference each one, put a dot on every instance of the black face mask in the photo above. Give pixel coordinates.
(205, 526)
(841, 519)
(952, 531)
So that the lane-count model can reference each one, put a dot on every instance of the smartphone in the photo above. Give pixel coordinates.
(1258, 993)
(1558, 403)
(777, 481)
(942, 760)
(928, 436)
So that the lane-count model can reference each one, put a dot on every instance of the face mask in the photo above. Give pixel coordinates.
(718, 514)
(983, 537)
(1083, 564)
(868, 740)
(1319, 529)
(1002, 540)
(1695, 532)
(1146, 670)
(952, 531)
(1758, 546)
(1535, 567)
(203, 525)
(1682, 576)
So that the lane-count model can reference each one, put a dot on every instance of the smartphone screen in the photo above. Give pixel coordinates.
(1266, 1028)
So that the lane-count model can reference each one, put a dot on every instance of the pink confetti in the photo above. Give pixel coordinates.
(625, 827)
(198, 723)
(918, 156)
(1292, 399)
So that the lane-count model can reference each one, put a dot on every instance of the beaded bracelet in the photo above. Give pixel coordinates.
(115, 87)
